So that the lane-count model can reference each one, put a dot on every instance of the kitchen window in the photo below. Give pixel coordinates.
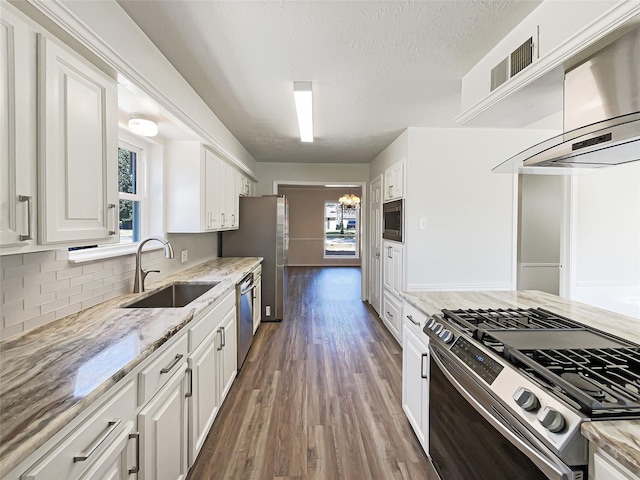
(131, 187)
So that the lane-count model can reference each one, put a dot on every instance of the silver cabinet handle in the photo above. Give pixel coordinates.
(390, 252)
(224, 337)
(29, 200)
(112, 207)
(422, 374)
(223, 219)
(412, 320)
(233, 219)
(221, 345)
(190, 392)
(136, 469)
(390, 314)
(173, 363)
(82, 456)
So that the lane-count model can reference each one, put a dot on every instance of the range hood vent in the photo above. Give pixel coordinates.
(601, 116)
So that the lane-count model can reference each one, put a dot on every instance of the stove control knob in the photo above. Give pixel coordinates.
(550, 419)
(446, 336)
(526, 399)
(437, 328)
(430, 322)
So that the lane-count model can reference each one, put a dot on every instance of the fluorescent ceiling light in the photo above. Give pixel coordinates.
(143, 125)
(304, 108)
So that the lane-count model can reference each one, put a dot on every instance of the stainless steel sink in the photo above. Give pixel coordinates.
(174, 296)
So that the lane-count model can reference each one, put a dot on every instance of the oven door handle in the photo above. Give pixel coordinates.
(538, 454)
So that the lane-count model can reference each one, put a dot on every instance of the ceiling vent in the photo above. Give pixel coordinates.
(517, 61)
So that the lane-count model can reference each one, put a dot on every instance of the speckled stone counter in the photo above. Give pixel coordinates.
(621, 438)
(43, 382)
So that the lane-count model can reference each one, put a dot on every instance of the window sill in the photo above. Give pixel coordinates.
(111, 251)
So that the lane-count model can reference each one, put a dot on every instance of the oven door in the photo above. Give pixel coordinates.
(471, 435)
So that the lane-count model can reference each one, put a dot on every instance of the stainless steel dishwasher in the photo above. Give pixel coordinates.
(244, 307)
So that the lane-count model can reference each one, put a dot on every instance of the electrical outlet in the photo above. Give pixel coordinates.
(267, 310)
(184, 256)
(423, 224)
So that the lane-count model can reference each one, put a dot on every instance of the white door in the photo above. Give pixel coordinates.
(415, 385)
(375, 244)
(228, 354)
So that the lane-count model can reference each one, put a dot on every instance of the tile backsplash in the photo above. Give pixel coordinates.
(40, 287)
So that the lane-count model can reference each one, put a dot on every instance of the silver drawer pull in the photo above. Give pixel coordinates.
(81, 457)
(412, 320)
(168, 368)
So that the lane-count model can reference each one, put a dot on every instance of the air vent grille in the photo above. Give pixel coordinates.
(518, 60)
(522, 57)
(499, 74)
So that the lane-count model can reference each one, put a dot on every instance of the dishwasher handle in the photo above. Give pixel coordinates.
(246, 286)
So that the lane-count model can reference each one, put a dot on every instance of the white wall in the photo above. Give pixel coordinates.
(396, 151)
(605, 239)
(469, 240)
(268, 173)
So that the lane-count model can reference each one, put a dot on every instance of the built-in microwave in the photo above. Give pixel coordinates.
(392, 220)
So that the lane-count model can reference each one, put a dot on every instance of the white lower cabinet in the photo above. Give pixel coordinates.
(204, 399)
(163, 431)
(415, 374)
(78, 452)
(152, 424)
(607, 468)
(119, 460)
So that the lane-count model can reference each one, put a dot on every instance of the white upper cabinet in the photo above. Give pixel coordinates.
(78, 149)
(202, 189)
(17, 133)
(394, 181)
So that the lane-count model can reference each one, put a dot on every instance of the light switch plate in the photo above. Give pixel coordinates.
(184, 256)
(423, 224)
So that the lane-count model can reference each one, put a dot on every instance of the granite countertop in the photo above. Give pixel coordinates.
(620, 438)
(44, 379)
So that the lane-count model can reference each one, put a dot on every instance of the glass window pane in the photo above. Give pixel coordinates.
(127, 170)
(129, 221)
(340, 237)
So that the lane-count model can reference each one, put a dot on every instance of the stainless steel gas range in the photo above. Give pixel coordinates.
(510, 388)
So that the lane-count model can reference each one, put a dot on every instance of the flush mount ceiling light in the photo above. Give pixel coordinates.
(304, 108)
(143, 125)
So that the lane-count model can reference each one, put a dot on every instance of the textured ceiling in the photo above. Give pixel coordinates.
(376, 67)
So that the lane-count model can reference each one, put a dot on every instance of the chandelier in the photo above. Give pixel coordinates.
(349, 201)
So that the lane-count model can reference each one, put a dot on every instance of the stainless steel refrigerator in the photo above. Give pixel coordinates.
(264, 232)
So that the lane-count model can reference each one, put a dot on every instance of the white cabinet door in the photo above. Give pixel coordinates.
(393, 267)
(204, 395)
(212, 194)
(415, 384)
(607, 468)
(78, 149)
(163, 432)
(257, 302)
(18, 169)
(228, 354)
(394, 181)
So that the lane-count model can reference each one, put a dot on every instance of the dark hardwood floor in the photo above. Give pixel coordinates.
(319, 396)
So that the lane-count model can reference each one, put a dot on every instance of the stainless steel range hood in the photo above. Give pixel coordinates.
(601, 116)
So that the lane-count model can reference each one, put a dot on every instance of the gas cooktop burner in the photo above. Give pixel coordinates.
(596, 372)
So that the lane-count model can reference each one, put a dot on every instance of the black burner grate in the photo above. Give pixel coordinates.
(510, 319)
(605, 383)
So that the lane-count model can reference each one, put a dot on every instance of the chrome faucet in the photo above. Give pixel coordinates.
(140, 275)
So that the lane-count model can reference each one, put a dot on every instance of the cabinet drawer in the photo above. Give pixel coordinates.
(80, 449)
(156, 374)
(392, 313)
(410, 316)
(203, 327)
